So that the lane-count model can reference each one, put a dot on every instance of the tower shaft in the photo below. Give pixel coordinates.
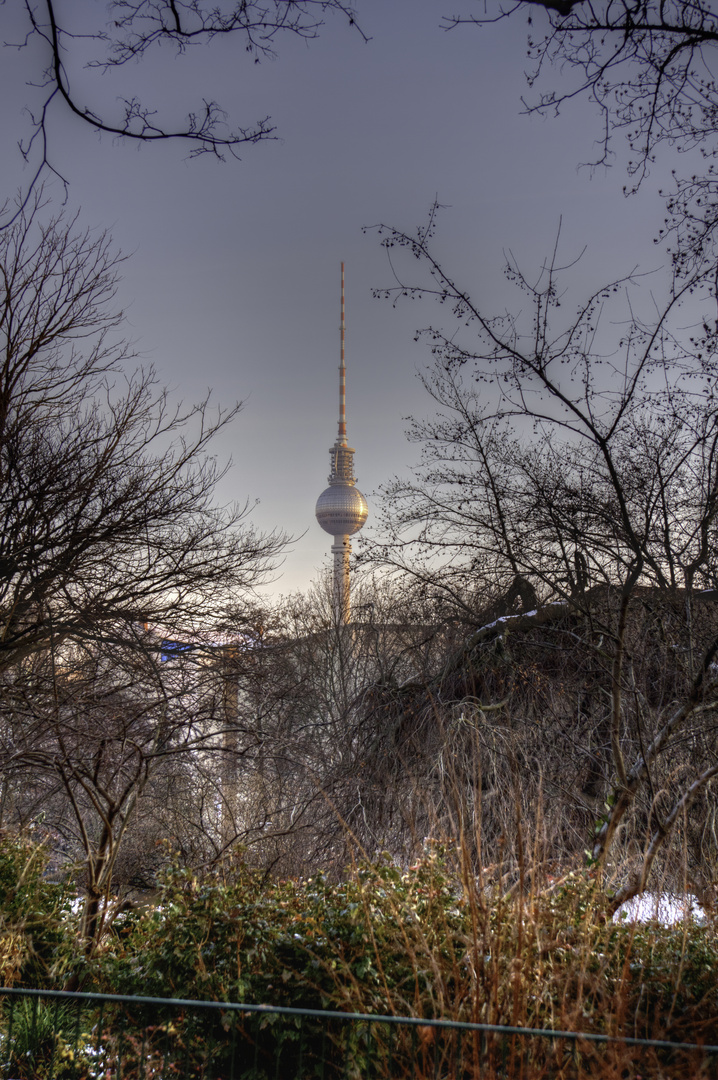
(341, 550)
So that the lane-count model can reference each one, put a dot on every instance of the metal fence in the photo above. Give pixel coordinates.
(59, 1035)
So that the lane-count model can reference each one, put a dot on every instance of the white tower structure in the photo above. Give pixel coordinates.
(341, 508)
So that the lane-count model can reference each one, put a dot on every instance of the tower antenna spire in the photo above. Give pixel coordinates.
(341, 509)
(342, 377)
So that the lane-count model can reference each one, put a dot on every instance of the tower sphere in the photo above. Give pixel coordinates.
(341, 510)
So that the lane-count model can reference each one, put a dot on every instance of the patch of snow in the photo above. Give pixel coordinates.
(508, 618)
(665, 908)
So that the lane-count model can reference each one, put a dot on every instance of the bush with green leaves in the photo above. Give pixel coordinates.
(240, 936)
(380, 940)
(37, 936)
(427, 940)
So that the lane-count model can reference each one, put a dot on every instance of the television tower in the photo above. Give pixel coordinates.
(341, 508)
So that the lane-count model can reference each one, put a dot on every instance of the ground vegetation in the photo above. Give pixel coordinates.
(428, 940)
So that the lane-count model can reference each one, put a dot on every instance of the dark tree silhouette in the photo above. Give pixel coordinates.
(105, 485)
(648, 66)
(110, 544)
(577, 456)
(131, 31)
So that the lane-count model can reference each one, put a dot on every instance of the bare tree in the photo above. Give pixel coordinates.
(574, 467)
(111, 544)
(103, 743)
(132, 31)
(106, 489)
(649, 67)
(306, 777)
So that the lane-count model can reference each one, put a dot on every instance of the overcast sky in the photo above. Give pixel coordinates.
(233, 280)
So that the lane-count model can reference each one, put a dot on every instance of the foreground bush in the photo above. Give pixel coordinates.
(36, 933)
(428, 941)
(424, 941)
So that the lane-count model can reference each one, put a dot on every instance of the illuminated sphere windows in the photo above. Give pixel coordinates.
(341, 510)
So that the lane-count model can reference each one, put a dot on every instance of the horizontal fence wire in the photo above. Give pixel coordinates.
(58, 1035)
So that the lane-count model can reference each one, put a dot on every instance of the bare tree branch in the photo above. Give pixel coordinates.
(133, 32)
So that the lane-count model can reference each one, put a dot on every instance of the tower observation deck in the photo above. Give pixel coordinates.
(341, 508)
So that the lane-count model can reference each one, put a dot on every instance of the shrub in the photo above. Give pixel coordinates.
(37, 938)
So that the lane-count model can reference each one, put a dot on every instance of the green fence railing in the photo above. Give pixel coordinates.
(59, 1035)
